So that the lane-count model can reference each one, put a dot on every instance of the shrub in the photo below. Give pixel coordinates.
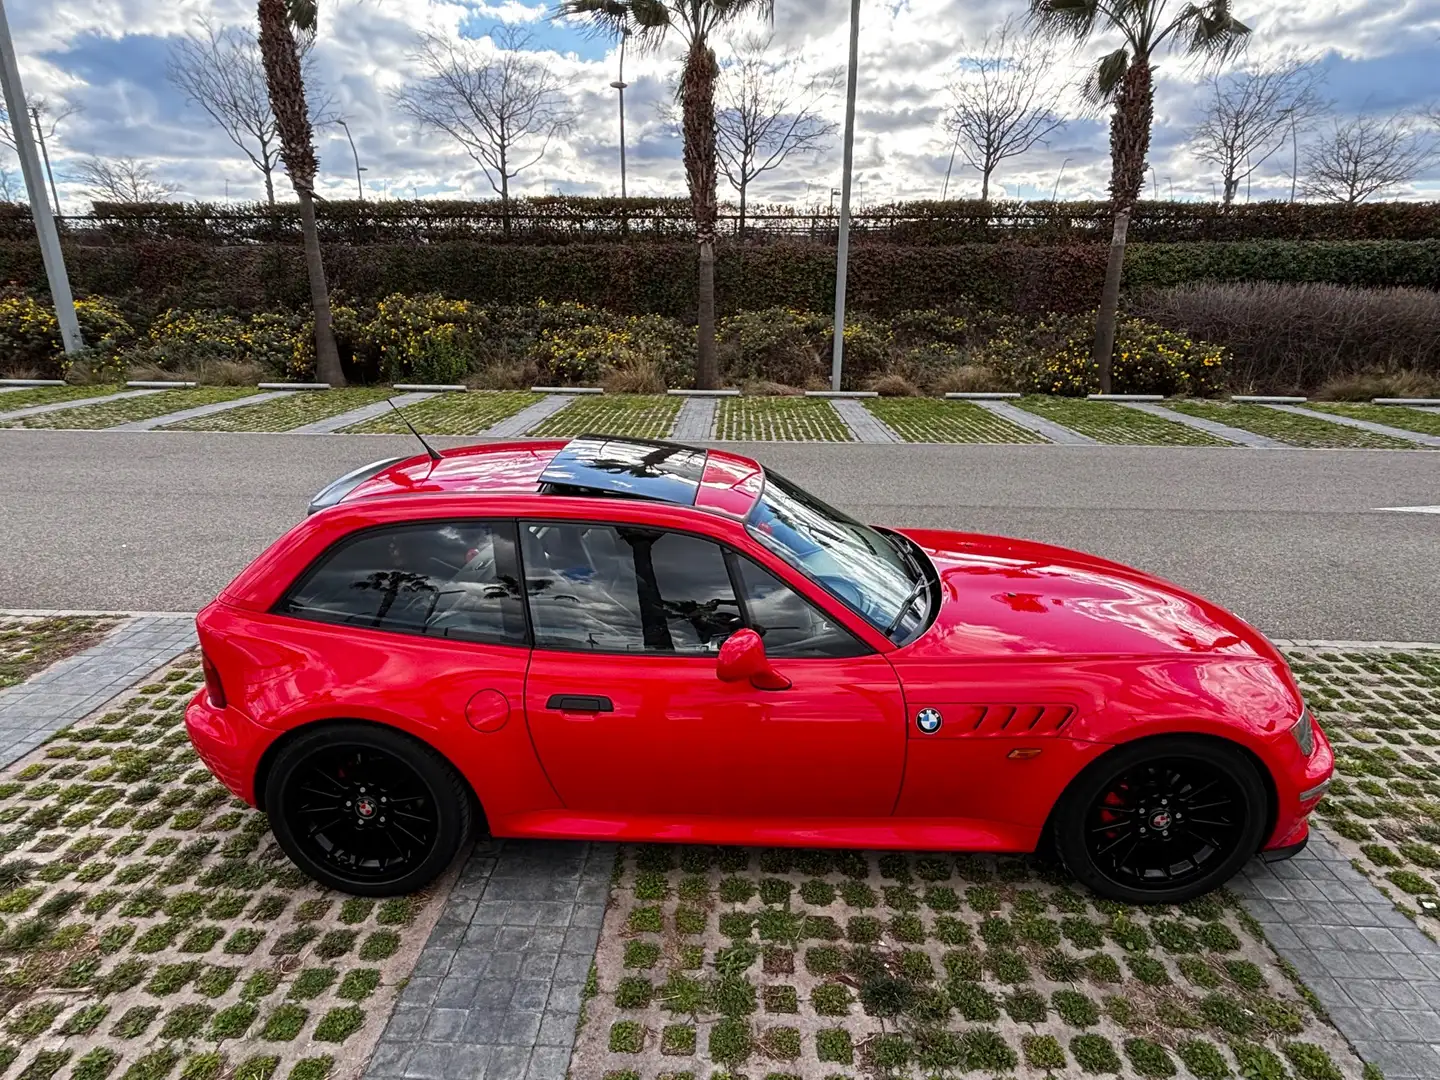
(180, 340)
(30, 335)
(1296, 337)
(776, 344)
(1372, 384)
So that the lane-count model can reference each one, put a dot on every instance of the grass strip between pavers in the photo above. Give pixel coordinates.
(51, 395)
(649, 416)
(283, 414)
(149, 925)
(1304, 431)
(928, 420)
(813, 963)
(780, 419)
(128, 410)
(1381, 710)
(1108, 422)
(1396, 416)
(451, 414)
(30, 643)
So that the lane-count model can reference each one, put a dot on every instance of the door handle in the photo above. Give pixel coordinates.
(580, 703)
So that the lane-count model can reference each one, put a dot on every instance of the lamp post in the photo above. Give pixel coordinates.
(842, 246)
(45, 232)
(44, 153)
(619, 84)
(1055, 193)
(359, 186)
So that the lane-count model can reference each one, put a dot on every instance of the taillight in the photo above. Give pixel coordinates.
(213, 685)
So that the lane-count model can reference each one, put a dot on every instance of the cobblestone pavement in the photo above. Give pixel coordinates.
(75, 686)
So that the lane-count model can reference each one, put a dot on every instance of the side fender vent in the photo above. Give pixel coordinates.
(1014, 719)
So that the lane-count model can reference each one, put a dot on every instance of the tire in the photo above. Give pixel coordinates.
(373, 847)
(1111, 841)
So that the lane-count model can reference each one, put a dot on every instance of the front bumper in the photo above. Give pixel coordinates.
(228, 743)
(1300, 784)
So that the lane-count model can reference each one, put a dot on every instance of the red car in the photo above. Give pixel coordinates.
(624, 639)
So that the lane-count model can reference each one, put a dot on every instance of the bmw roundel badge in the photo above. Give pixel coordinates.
(928, 720)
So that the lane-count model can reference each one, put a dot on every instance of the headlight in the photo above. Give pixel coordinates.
(1304, 732)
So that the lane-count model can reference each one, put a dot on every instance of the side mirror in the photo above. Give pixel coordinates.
(742, 657)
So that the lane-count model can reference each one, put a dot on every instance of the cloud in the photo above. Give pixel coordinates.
(109, 58)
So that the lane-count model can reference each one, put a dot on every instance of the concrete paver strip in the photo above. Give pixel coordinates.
(74, 403)
(497, 989)
(1224, 431)
(199, 411)
(1375, 972)
(77, 685)
(529, 417)
(357, 416)
(863, 424)
(1046, 428)
(1419, 438)
(696, 419)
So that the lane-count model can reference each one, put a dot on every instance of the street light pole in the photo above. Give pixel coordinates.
(1055, 193)
(842, 246)
(359, 186)
(620, 84)
(45, 231)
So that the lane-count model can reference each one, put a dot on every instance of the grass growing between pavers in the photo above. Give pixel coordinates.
(451, 414)
(931, 421)
(149, 926)
(31, 643)
(1107, 422)
(129, 410)
(51, 395)
(1396, 416)
(283, 414)
(1381, 710)
(646, 416)
(1292, 428)
(780, 419)
(816, 964)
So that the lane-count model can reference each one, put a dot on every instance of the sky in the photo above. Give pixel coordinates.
(107, 59)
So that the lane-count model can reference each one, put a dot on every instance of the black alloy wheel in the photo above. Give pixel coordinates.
(366, 809)
(1162, 821)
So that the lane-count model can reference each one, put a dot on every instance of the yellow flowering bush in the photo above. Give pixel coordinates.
(189, 338)
(1054, 356)
(30, 334)
(420, 338)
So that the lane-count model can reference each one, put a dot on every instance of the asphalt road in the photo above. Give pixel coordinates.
(1290, 539)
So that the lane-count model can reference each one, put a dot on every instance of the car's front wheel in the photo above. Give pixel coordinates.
(1163, 820)
(365, 809)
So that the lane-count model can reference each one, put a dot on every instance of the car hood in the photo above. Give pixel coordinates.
(1004, 596)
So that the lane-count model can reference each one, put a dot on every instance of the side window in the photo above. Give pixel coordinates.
(788, 623)
(626, 589)
(453, 579)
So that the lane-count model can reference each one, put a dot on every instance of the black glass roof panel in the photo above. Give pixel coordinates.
(634, 468)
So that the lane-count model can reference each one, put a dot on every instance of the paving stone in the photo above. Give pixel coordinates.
(863, 424)
(1047, 429)
(529, 417)
(696, 420)
(1212, 427)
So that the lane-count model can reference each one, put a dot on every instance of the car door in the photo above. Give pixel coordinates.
(629, 717)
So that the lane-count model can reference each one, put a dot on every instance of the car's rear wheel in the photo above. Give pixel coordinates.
(365, 809)
(1162, 821)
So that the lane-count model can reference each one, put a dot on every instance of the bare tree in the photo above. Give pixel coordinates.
(221, 70)
(51, 116)
(1252, 114)
(1366, 156)
(766, 111)
(497, 100)
(123, 180)
(11, 187)
(1003, 100)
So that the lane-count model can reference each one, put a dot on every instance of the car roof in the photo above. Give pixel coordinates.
(588, 466)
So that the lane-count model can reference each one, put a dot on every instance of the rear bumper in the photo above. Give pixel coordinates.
(228, 743)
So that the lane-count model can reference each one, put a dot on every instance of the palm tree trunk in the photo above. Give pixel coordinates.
(697, 101)
(297, 149)
(1129, 144)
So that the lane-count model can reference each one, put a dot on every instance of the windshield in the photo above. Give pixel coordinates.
(862, 568)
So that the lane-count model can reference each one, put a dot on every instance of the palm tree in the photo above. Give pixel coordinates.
(1125, 79)
(649, 22)
(279, 20)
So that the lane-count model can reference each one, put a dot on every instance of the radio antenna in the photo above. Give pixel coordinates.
(434, 454)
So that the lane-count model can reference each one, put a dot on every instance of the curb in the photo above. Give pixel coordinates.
(1268, 399)
(989, 396)
(567, 389)
(293, 386)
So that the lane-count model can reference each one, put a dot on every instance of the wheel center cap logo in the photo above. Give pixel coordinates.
(1160, 819)
(928, 721)
(365, 806)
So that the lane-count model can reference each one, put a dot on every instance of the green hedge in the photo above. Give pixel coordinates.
(660, 277)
